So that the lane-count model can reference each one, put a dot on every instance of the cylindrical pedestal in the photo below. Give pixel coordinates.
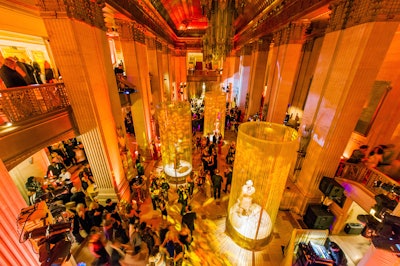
(264, 154)
(214, 112)
(175, 124)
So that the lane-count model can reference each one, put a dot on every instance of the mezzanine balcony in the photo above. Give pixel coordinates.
(365, 176)
(33, 117)
(203, 75)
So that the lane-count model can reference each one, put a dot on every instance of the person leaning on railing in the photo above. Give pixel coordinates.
(375, 158)
(359, 155)
(10, 73)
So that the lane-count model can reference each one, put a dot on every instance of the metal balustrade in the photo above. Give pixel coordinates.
(23, 103)
(364, 175)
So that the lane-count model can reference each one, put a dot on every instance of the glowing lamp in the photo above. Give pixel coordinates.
(264, 154)
(175, 124)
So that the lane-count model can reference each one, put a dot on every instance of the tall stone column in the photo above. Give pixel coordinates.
(352, 52)
(12, 251)
(258, 74)
(155, 83)
(168, 75)
(80, 48)
(308, 61)
(284, 65)
(179, 73)
(230, 76)
(133, 45)
(244, 72)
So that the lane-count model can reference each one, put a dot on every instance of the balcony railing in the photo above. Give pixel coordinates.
(23, 103)
(364, 175)
(202, 75)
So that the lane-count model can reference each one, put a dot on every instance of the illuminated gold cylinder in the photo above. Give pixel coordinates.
(214, 112)
(264, 154)
(175, 124)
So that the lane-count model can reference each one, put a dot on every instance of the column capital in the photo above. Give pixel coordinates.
(179, 49)
(155, 44)
(236, 53)
(264, 43)
(131, 31)
(151, 43)
(247, 49)
(181, 52)
(166, 49)
(159, 46)
(348, 13)
(87, 11)
(293, 32)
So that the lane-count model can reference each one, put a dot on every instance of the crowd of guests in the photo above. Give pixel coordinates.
(233, 118)
(168, 245)
(16, 72)
(377, 156)
(208, 179)
(57, 183)
(116, 229)
(122, 229)
(382, 157)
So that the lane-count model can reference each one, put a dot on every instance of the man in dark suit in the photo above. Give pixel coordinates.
(188, 218)
(217, 183)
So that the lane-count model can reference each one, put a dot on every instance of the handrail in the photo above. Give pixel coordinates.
(22, 103)
(364, 175)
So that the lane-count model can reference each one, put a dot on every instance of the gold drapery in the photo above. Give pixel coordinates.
(264, 154)
(175, 123)
(214, 112)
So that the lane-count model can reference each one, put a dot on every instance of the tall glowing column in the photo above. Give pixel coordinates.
(175, 124)
(264, 154)
(214, 112)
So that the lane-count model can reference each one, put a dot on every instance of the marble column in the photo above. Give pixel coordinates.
(244, 72)
(285, 57)
(12, 251)
(154, 68)
(78, 42)
(352, 52)
(308, 61)
(132, 36)
(258, 75)
(179, 73)
(230, 76)
(167, 74)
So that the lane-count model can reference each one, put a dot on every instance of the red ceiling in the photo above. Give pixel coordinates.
(186, 15)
